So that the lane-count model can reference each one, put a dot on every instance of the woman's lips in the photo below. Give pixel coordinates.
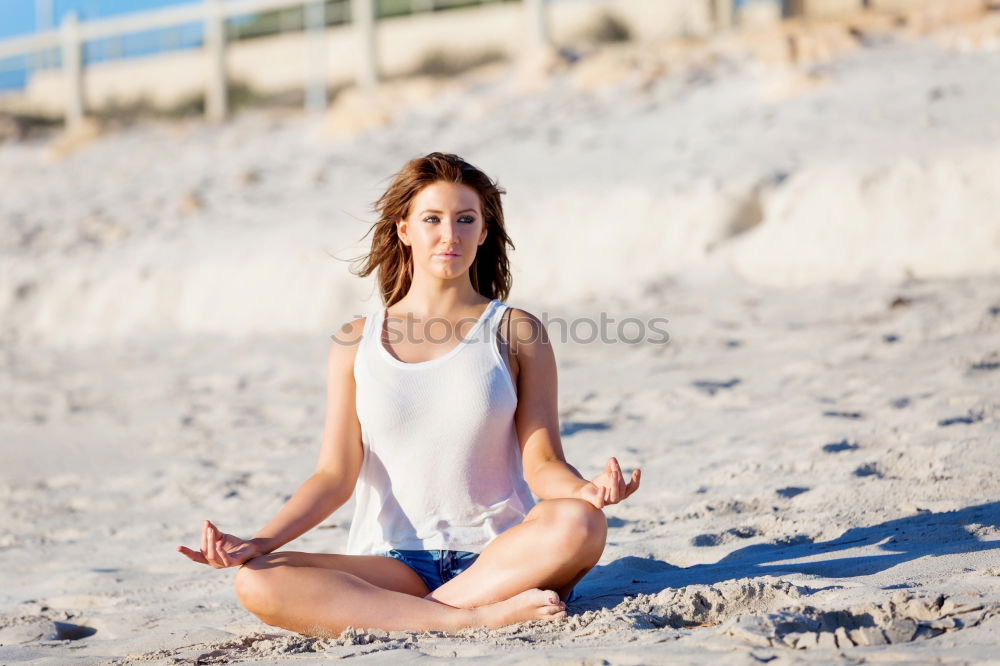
(447, 255)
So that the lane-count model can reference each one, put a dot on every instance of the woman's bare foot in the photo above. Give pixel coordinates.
(534, 604)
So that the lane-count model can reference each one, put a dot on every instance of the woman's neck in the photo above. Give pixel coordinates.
(432, 297)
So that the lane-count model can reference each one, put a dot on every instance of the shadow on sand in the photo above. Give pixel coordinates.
(901, 540)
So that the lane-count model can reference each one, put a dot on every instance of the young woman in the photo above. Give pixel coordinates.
(442, 420)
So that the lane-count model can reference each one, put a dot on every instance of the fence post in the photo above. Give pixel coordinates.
(215, 45)
(315, 20)
(72, 62)
(43, 15)
(538, 22)
(722, 13)
(790, 8)
(363, 17)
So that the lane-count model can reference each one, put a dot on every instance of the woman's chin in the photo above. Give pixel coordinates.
(448, 272)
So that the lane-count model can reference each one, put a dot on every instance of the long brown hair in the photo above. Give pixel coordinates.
(392, 261)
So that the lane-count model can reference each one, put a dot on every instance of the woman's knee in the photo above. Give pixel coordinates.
(257, 587)
(577, 525)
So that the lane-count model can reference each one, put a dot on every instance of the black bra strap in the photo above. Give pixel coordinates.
(504, 340)
(507, 315)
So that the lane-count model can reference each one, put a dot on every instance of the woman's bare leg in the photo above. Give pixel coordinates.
(555, 545)
(282, 589)
(381, 571)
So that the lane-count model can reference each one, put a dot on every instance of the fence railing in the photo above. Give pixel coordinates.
(65, 44)
(69, 39)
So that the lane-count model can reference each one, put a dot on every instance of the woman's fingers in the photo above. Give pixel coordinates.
(224, 551)
(220, 548)
(213, 553)
(207, 545)
(222, 555)
(192, 554)
(633, 484)
(204, 538)
(614, 491)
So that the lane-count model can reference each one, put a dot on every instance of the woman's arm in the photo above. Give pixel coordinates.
(329, 487)
(537, 423)
(339, 464)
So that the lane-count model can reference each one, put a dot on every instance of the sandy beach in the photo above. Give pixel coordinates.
(819, 430)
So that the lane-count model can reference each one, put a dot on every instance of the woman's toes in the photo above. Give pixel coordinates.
(550, 596)
(533, 604)
(554, 607)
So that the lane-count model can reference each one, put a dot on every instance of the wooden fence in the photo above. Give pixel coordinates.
(69, 39)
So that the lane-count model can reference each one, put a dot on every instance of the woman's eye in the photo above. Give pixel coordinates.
(467, 219)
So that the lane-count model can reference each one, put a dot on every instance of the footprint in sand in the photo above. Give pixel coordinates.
(733, 533)
(843, 415)
(968, 419)
(703, 540)
(903, 619)
(712, 387)
(572, 427)
(67, 631)
(837, 447)
(868, 469)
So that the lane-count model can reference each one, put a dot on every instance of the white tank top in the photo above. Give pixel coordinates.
(442, 466)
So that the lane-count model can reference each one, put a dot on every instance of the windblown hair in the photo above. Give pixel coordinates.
(392, 261)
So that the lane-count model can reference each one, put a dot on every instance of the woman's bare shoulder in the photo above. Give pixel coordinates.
(352, 330)
(344, 341)
(526, 330)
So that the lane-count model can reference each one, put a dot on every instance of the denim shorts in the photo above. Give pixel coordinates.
(437, 567)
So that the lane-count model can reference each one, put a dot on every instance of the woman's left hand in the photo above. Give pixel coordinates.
(609, 486)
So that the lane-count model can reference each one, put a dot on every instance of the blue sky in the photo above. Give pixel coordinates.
(17, 17)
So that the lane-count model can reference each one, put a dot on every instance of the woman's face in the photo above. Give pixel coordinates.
(444, 229)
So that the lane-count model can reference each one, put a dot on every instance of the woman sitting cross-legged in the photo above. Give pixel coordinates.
(442, 420)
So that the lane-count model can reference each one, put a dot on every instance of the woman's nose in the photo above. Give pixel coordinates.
(449, 230)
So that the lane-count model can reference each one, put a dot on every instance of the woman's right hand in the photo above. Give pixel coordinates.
(221, 550)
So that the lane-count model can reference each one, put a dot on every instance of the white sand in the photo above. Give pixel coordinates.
(819, 439)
